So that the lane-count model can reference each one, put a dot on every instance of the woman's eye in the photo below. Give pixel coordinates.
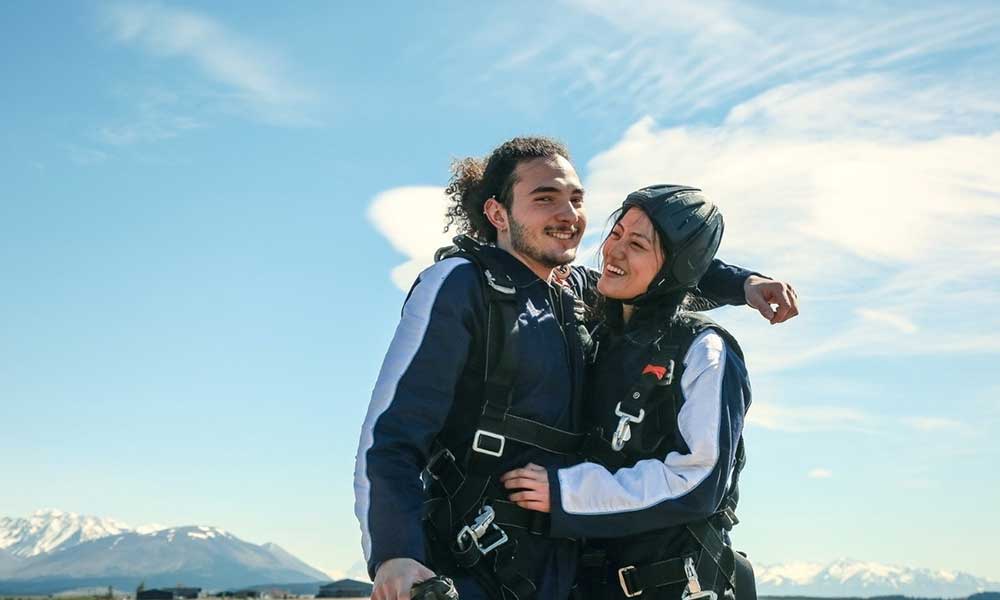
(638, 246)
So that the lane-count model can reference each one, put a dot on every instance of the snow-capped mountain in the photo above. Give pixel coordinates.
(207, 557)
(860, 579)
(51, 530)
(8, 562)
(290, 561)
(198, 555)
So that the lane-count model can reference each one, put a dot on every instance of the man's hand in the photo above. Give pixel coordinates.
(761, 293)
(396, 576)
(532, 482)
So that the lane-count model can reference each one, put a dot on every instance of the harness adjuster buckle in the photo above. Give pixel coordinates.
(630, 417)
(481, 526)
(727, 518)
(623, 432)
(663, 373)
(480, 434)
(693, 589)
(492, 281)
(624, 574)
(669, 378)
(437, 460)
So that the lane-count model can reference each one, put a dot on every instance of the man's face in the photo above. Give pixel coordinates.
(547, 219)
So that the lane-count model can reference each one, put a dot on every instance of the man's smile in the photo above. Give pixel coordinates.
(562, 234)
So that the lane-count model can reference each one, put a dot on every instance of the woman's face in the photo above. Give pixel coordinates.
(632, 257)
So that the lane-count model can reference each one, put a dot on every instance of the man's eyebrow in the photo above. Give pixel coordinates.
(548, 189)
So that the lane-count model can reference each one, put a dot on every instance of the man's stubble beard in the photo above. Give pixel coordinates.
(520, 244)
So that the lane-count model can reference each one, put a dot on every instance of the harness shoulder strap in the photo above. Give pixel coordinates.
(467, 526)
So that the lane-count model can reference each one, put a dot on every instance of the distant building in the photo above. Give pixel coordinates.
(177, 593)
(241, 594)
(345, 588)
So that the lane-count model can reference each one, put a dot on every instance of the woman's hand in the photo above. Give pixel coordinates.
(761, 293)
(532, 483)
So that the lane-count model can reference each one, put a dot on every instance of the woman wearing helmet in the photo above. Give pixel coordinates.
(668, 391)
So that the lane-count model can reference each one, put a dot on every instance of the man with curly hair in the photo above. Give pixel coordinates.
(523, 210)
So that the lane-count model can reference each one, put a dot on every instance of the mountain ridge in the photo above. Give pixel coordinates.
(49, 530)
(197, 555)
(854, 578)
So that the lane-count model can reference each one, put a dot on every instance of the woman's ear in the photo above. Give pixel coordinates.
(496, 214)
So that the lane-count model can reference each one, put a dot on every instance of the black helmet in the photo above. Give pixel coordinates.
(690, 229)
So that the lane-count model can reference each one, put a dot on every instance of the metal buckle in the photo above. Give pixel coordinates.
(727, 518)
(432, 464)
(669, 377)
(622, 572)
(490, 279)
(500, 541)
(623, 432)
(693, 589)
(479, 434)
(479, 528)
(627, 416)
(622, 435)
(664, 373)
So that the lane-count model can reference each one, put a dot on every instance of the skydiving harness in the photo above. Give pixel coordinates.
(715, 567)
(481, 532)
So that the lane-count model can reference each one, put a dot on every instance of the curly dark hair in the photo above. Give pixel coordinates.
(476, 180)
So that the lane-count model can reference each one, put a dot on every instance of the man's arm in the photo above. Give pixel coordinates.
(409, 406)
(728, 284)
(721, 285)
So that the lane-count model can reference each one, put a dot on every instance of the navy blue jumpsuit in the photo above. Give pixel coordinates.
(427, 372)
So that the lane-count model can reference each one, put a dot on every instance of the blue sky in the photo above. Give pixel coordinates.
(208, 214)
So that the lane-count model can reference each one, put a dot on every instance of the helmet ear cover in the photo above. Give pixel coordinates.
(690, 230)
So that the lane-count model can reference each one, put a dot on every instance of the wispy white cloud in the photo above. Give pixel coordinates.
(819, 473)
(801, 419)
(149, 114)
(253, 75)
(933, 424)
(879, 232)
(85, 156)
(899, 322)
(677, 59)
(412, 219)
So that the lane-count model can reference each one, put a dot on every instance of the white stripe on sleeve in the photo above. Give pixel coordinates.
(405, 343)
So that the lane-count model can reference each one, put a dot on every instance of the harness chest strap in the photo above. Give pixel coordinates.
(634, 580)
(659, 371)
